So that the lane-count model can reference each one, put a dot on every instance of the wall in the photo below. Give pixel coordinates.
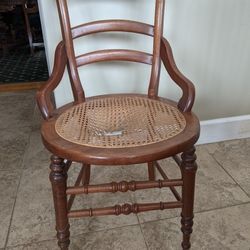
(210, 41)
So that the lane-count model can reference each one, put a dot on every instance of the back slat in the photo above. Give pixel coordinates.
(114, 55)
(67, 37)
(106, 55)
(112, 25)
(155, 73)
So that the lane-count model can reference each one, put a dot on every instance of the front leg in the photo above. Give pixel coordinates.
(188, 168)
(58, 178)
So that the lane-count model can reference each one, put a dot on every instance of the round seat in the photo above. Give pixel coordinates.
(120, 129)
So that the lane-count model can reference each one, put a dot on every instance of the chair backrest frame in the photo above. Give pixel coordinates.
(70, 33)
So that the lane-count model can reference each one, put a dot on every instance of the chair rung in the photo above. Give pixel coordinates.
(77, 184)
(165, 177)
(123, 186)
(124, 209)
(67, 166)
(177, 160)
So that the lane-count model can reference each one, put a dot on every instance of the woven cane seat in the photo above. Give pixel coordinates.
(120, 121)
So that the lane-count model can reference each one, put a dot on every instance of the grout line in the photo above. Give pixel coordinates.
(132, 225)
(75, 235)
(28, 244)
(103, 230)
(229, 174)
(138, 220)
(19, 183)
(220, 208)
(143, 235)
(200, 212)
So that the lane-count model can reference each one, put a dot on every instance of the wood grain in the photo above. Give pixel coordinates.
(67, 151)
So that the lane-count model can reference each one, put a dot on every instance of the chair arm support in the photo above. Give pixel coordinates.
(43, 95)
(186, 102)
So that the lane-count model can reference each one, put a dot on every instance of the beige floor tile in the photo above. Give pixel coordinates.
(44, 245)
(37, 119)
(37, 156)
(13, 143)
(33, 218)
(8, 187)
(214, 188)
(234, 156)
(119, 239)
(223, 229)
(33, 214)
(16, 110)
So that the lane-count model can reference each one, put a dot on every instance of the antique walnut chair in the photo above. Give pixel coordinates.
(118, 129)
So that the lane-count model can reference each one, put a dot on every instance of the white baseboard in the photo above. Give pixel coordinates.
(223, 129)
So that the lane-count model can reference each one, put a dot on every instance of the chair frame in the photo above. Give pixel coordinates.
(64, 152)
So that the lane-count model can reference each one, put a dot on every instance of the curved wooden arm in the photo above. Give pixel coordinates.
(186, 102)
(43, 95)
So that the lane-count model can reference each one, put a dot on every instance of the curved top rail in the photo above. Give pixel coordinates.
(112, 25)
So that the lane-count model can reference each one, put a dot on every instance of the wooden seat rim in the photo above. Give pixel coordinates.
(120, 156)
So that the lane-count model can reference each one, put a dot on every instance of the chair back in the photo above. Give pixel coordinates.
(70, 33)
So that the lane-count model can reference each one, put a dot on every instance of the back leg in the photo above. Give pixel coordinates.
(86, 174)
(151, 171)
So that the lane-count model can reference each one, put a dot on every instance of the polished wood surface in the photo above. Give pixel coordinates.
(123, 186)
(44, 94)
(123, 156)
(114, 55)
(112, 25)
(65, 152)
(156, 65)
(186, 102)
(76, 84)
(8, 87)
(125, 209)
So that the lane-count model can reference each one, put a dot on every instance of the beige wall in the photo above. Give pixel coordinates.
(210, 40)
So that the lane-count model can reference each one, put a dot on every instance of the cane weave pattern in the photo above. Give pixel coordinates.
(120, 121)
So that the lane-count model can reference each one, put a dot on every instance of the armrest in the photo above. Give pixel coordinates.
(43, 95)
(186, 102)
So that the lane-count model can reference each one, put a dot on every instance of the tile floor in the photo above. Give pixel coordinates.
(222, 208)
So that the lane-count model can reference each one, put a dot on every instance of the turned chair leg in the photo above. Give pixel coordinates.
(86, 174)
(58, 178)
(188, 168)
(151, 171)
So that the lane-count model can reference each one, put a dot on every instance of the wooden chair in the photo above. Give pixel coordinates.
(118, 129)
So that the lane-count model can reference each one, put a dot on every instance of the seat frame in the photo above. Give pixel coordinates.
(65, 152)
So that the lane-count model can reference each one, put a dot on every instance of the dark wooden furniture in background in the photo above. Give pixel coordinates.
(28, 10)
(9, 38)
(118, 129)
(32, 10)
